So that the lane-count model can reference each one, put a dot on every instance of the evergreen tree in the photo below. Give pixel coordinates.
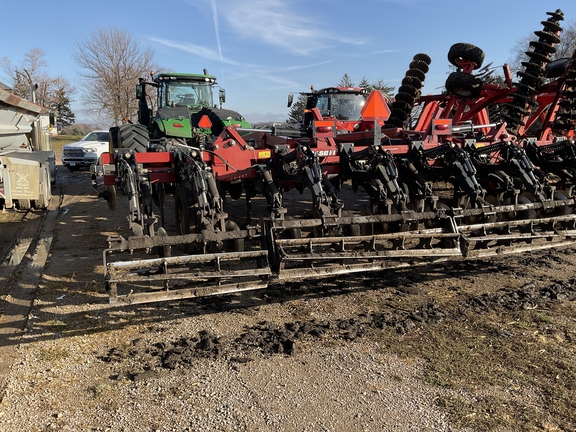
(377, 85)
(364, 83)
(61, 107)
(296, 113)
(346, 81)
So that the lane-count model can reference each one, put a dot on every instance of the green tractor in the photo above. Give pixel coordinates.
(186, 108)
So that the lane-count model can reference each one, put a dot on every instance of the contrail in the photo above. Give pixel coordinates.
(217, 29)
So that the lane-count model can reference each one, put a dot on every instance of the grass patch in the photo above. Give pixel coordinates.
(503, 356)
(53, 354)
(59, 141)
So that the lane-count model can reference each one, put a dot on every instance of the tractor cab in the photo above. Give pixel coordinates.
(181, 90)
(342, 104)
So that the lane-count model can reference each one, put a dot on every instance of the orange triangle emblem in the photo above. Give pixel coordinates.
(205, 122)
(375, 107)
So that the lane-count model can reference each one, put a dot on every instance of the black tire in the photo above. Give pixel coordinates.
(412, 81)
(412, 91)
(465, 51)
(417, 73)
(464, 85)
(130, 136)
(423, 57)
(394, 121)
(420, 65)
(399, 114)
(401, 105)
(405, 97)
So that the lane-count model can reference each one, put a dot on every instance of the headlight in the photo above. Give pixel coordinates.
(91, 150)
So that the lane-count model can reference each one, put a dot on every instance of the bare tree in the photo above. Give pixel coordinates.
(112, 61)
(30, 73)
(27, 74)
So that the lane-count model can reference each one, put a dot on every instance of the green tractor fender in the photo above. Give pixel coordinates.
(176, 127)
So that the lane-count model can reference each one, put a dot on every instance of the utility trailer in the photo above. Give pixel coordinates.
(27, 161)
(453, 184)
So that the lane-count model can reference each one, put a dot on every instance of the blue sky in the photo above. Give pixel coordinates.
(261, 50)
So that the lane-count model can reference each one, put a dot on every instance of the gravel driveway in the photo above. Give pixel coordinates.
(296, 357)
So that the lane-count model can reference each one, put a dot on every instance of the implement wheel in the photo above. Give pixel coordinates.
(465, 52)
(464, 85)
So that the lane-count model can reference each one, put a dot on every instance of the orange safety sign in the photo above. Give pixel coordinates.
(375, 108)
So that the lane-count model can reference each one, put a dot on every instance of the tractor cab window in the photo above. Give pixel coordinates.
(323, 104)
(346, 106)
(188, 93)
(342, 106)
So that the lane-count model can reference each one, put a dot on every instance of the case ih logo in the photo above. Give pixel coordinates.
(332, 152)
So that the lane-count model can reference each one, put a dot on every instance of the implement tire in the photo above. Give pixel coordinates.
(464, 85)
(466, 52)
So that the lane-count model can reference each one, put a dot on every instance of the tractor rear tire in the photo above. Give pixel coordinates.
(130, 136)
(466, 52)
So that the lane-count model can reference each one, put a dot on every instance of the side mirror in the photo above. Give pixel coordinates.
(139, 91)
(222, 95)
(290, 100)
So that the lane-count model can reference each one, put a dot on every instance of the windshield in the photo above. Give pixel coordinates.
(187, 93)
(342, 106)
(96, 136)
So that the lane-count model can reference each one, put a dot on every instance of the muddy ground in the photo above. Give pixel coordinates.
(479, 327)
